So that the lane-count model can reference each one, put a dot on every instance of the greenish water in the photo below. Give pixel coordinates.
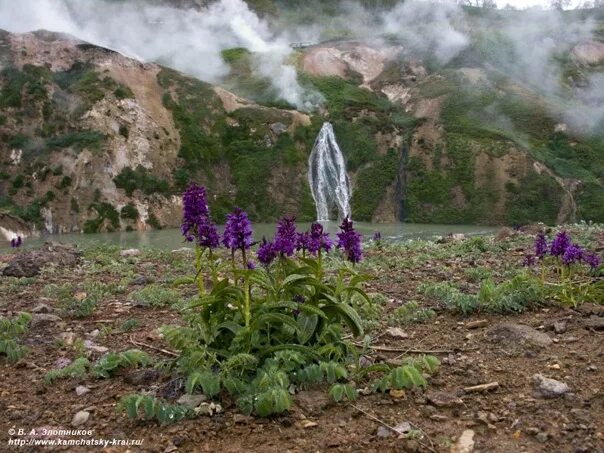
(171, 239)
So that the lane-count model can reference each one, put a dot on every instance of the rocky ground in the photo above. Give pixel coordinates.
(529, 382)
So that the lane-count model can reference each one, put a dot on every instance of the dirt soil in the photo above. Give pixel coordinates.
(511, 417)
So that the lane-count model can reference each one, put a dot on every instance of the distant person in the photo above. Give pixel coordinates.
(19, 241)
(13, 243)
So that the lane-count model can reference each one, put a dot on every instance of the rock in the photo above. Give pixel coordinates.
(505, 233)
(192, 401)
(62, 362)
(542, 437)
(42, 308)
(208, 409)
(560, 327)
(594, 322)
(396, 332)
(588, 309)
(549, 388)
(29, 263)
(242, 419)
(40, 319)
(141, 280)
(142, 377)
(130, 252)
(384, 432)
(88, 344)
(81, 390)
(308, 424)
(465, 443)
(80, 418)
(278, 128)
(312, 401)
(68, 338)
(512, 334)
(443, 399)
(402, 428)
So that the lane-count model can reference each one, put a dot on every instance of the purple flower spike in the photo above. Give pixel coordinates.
(207, 235)
(251, 265)
(560, 243)
(540, 246)
(237, 231)
(529, 261)
(573, 254)
(266, 252)
(350, 241)
(194, 210)
(302, 241)
(286, 237)
(592, 260)
(318, 239)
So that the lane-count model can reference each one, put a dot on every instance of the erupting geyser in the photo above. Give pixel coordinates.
(327, 176)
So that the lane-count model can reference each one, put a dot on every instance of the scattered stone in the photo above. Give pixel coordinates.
(142, 377)
(384, 432)
(90, 345)
(62, 362)
(208, 409)
(130, 252)
(465, 443)
(394, 393)
(505, 233)
(192, 401)
(594, 322)
(560, 327)
(40, 319)
(513, 334)
(240, 418)
(312, 402)
(80, 418)
(81, 390)
(477, 324)
(68, 338)
(443, 399)
(402, 428)
(542, 437)
(549, 388)
(95, 333)
(29, 263)
(308, 424)
(141, 280)
(590, 309)
(278, 128)
(396, 332)
(42, 308)
(439, 418)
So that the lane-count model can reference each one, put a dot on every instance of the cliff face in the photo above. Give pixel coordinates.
(94, 141)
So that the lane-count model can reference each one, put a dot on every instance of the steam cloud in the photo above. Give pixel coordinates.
(191, 40)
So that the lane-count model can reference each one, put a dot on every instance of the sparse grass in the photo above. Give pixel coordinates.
(156, 296)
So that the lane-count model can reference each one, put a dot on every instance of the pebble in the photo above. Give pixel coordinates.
(95, 347)
(465, 443)
(397, 332)
(130, 252)
(443, 399)
(42, 308)
(81, 390)
(39, 319)
(191, 401)
(80, 418)
(549, 388)
(560, 327)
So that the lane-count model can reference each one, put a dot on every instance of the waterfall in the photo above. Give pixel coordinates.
(327, 176)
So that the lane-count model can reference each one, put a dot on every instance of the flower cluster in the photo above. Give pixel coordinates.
(318, 239)
(237, 231)
(350, 241)
(564, 249)
(196, 222)
(266, 252)
(286, 237)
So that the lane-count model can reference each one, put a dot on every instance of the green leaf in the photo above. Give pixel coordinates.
(348, 315)
(306, 326)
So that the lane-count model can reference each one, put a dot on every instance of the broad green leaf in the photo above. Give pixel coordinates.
(306, 326)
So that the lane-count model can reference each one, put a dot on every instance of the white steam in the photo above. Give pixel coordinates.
(187, 40)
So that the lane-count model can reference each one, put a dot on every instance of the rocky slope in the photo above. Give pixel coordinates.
(95, 141)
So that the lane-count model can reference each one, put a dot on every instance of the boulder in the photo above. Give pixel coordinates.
(514, 334)
(29, 263)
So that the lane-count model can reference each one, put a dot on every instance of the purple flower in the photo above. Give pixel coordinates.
(302, 241)
(592, 260)
(207, 235)
(237, 231)
(350, 241)
(560, 243)
(572, 254)
(377, 236)
(251, 265)
(194, 210)
(540, 246)
(266, 252)
(529, 261)
(286, 237)
(318, 239)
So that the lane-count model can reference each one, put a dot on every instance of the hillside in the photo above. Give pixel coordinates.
(95, 141)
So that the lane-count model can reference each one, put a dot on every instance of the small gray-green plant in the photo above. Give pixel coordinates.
(411, 312)
(10, 332)
(151, 408)
(129, 324)
(110, 363)
(156, 296)
(76, 369)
